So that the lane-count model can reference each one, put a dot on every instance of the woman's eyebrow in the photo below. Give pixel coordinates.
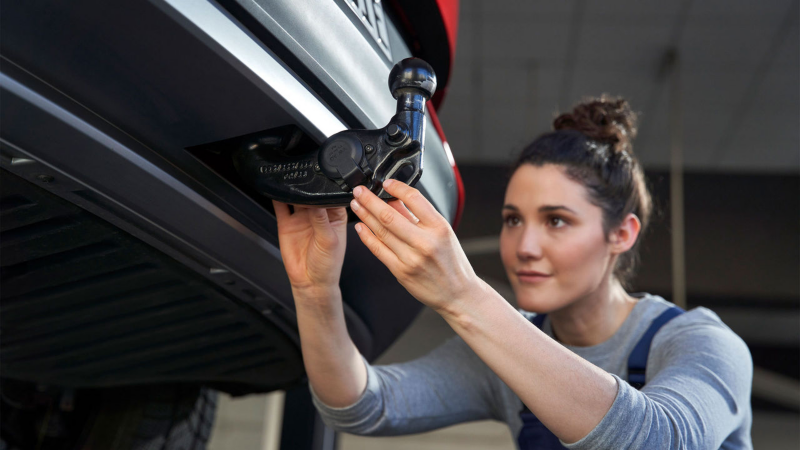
(551, 208)
(542, 209)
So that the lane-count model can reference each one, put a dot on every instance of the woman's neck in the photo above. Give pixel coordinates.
(593, 319)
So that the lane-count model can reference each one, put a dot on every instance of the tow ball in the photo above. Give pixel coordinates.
(328, 175)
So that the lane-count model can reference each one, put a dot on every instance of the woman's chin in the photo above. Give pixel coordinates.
(539, 304)
(538, 299)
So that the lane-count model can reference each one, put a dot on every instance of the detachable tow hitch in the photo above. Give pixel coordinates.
(327, 176)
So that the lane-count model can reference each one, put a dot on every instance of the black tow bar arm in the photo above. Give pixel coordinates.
(327, 176)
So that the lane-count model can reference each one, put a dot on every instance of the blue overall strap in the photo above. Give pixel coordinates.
(534, 435)
(538, 320)
(637, 361)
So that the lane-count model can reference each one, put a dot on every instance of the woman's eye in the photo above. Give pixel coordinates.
(556, 222)
(511, 221)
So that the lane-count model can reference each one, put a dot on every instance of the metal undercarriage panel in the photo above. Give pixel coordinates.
(101, 100)
(86, 304)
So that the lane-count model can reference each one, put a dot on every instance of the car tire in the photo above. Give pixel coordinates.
(154, 418)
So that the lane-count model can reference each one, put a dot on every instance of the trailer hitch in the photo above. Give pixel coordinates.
(328, 175)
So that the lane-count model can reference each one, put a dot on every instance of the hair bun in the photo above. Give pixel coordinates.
(606, 119)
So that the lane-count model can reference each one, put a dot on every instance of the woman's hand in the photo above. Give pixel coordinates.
(419, 247)
(312, 242)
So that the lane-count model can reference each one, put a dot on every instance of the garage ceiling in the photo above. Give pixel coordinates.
(519, 62)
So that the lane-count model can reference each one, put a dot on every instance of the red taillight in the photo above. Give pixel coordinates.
(431, 29)
(459, 182)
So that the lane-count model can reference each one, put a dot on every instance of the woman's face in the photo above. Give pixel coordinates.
(552, 243)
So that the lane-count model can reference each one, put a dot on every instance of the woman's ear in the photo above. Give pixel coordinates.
(624, 236)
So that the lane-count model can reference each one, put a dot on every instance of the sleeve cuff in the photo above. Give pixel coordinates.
(607, 430)
(347, 416)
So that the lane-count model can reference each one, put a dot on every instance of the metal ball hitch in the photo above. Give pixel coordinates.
(327, 176)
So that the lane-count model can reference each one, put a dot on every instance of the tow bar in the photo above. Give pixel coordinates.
(327, 176)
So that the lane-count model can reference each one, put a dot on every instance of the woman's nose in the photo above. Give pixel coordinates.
(529, 246)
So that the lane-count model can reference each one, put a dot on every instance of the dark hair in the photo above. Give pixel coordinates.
(593, 144)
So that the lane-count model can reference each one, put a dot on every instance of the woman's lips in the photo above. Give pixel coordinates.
(532, 277)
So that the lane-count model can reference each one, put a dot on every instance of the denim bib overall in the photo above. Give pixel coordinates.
(535, 436)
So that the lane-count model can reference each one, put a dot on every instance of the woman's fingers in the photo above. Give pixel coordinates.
(389, 225)
(281, 210)
(378, 229)
(337, 216)
(318, 218)
(401, 208)
(377, 247)
(414, 201)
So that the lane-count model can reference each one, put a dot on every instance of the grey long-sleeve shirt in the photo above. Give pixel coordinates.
(697, 396)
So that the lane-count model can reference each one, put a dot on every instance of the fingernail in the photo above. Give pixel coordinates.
(358, 227)
(354, 205)
(357, 191)
(388, 182)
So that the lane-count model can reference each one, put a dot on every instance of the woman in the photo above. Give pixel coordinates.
(574, 209)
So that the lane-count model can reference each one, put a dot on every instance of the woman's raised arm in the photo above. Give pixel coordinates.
(312, 242)
(567, 393)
